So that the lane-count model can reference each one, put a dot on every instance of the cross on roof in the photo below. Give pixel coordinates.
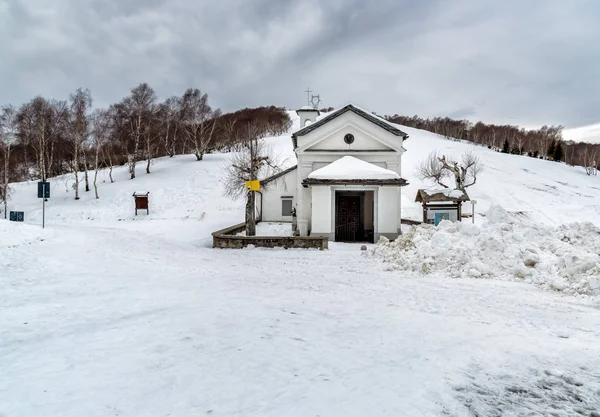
(308, 95)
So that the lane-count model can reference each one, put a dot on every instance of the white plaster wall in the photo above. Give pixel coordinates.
(387, 210)
(271, 205)
(321, 210)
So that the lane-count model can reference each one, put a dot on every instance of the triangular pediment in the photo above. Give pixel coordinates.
(367, 133)
(361, 141)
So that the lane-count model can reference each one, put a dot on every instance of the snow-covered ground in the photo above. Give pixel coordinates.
(107, 321)
(107, 314)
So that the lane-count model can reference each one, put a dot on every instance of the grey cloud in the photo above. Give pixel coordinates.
(531, 63)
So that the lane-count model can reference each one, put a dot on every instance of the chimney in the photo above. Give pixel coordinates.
(306, 114)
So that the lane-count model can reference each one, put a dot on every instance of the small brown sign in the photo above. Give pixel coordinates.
(141, 202)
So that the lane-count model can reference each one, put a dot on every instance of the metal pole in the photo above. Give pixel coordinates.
(473, 215)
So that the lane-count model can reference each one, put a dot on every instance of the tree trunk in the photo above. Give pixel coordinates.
(5, 185)
(85, 166)
(96, 174)
(51, 158)
(197, 151)
(173, 143)
(250, 220)
(148, 155)
(131, 164)
(76, 170)
(132, 158)
(110, 163)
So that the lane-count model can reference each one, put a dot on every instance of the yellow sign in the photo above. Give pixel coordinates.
(253, 185)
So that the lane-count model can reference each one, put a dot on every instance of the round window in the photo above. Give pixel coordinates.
(349, 138)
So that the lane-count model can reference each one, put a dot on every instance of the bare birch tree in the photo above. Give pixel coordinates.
(41, 123)
(588, 156)
(8, 138)
(229, 132)
(199, 121)
(169, 112)
(81, 102)
(138, 105)
(100, 133)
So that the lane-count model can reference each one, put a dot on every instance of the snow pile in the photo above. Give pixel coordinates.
(351, 168)
(562, 259)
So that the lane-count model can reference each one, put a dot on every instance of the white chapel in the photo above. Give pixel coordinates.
(346, 184)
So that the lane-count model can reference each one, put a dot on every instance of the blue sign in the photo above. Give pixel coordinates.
(17, 216)
(441, 216)
(43, 189)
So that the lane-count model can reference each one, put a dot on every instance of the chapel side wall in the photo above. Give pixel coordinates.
(272, 196)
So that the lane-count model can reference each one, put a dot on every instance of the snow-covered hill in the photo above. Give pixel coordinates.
(182, 188)
(104, 313)
(545, 191)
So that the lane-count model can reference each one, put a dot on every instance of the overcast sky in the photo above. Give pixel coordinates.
(527, 62)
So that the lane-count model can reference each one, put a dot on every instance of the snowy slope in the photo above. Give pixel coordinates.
(181, 188)
(108, 314)
(545, 191)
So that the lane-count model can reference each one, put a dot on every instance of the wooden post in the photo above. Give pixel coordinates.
(459, 211)
(424, 213)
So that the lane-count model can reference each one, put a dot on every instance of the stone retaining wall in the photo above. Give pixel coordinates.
(228, 239)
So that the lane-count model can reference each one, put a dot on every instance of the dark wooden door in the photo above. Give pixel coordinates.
(348, 218)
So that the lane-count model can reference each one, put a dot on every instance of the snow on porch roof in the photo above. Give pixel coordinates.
(351, 168)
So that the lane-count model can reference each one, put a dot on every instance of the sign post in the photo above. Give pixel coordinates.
(473, 202)
(43, 193)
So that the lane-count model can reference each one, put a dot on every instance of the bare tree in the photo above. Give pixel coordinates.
(100, 134)
(138, 106)
(432, 169)
(81, 102)
(151, 135)
(8, 138)
(254, 162)
(464, 172)
(41, 122)
(199, 121)
(588, 156)
(229, 132)
(168, 113)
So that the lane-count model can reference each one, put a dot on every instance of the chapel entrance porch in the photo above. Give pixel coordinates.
(354, 216)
